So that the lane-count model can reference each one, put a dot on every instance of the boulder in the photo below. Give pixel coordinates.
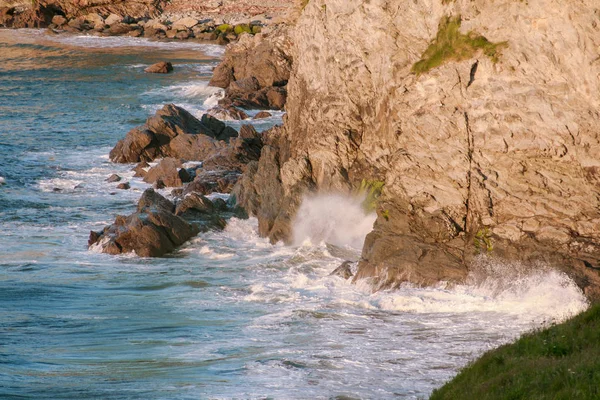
(163, 67)
(169, 171)
(187, 22)
(94, 19)
(263, 114)
(152, 231)
(113, 178)
(227, 113)
(118, 29)
(172, 132)
(211, 181)
(248, 131)
(113, 19)
(124, 186)
(344, 271)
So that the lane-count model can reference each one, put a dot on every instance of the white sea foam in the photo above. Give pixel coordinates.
(126, 41)
(2, 180)
(334, 218)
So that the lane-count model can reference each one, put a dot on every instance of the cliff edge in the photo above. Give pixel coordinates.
(480, 119)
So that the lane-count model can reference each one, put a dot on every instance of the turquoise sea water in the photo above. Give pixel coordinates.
(227, 316)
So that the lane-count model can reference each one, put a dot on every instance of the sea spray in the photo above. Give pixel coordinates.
(333, 218)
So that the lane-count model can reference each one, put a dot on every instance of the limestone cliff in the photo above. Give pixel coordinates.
(490, 145)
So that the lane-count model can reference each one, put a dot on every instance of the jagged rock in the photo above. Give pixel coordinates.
(344, 271)
(262, 114)
(163, 67)
(169, 171)
(227, 113)
(248, 131)
(207, 182)
(196, 202)
(141, 169)
(172, 132)
(113, 19)
(113, 178)
(152, 231)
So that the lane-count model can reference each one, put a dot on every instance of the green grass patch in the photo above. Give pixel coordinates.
(449, 44)
(371, 189)
(560, 362)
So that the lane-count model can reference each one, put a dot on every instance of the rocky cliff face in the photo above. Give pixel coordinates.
(490, 144)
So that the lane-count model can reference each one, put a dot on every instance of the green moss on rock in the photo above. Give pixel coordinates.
(371, 189)
(242, 28)
(225, 28)
(449, 44)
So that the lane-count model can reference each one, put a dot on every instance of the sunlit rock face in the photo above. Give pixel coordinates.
(482, 153)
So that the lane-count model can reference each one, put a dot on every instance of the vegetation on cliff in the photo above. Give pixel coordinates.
(450, 44)
(560, 362)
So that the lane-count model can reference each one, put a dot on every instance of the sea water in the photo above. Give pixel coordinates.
(229, 315)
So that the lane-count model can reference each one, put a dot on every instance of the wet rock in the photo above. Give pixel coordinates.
(196, 202)
(124, 186)
(227, 113)
(113, 178)
(248, 131)
(344, 271)
(211, 181)
(163, 67)
(169, 171)
(262, 114)
(141, 169)
(172, 132)
(152, 231)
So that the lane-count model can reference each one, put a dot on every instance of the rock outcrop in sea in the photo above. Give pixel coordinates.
(477, 121)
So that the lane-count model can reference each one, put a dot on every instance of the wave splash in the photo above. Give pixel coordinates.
(335, 219)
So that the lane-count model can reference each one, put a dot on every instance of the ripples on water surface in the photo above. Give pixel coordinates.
(227, 316)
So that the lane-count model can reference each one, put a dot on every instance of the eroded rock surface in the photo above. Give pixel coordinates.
(489, 154)
(152, 231)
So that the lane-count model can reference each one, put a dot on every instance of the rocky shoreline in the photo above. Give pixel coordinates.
(462, 164)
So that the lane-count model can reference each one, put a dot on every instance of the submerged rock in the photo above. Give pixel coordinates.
(163, 67)
(344, 271)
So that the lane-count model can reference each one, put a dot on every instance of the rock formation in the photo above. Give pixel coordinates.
(152, 231)
(486, 144)
(255, 71)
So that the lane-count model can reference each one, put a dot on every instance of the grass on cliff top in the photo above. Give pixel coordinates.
(450, 44)
(560, 362)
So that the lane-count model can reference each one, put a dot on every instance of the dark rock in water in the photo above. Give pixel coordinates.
(272, 98)
(172, 132)
(343, 271)
(236, 155)
(163, 67)
(152, 231)
(263, 114)
(113, 178)
(159, 184)
(169, 171)
(124, 186)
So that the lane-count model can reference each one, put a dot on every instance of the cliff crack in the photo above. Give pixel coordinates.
(470, 171)
(472, 73)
